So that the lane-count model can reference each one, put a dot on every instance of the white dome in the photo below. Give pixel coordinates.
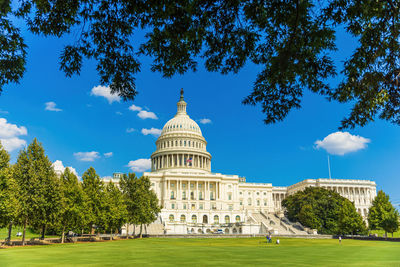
(181, 124)
(181, 145)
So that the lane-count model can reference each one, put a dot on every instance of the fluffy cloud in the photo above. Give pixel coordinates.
(108, 154)
(143, 114)
(105, 92)
(205, 121)
(118, 113)
(130, 130)
(87, 156)
(341, 143)
(139, 165)
(59, 168)
(51, 106)
(3, 111)
(153, 131)
(135, 108)
(9, 135)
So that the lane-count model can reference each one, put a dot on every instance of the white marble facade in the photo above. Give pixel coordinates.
(196, 200)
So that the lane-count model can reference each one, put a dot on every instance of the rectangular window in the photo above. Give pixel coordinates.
(211, 195)
(229, 196)
(184, 195)
(265, 203)
(172, 185)
(172, 206)
(191, 186)
(201, 206)
(172, 195)
(258, 202)
(184, 186)
(200, 186)
(193, 206)
(241, 202)
(211, 186)
(230, 207)
(184, 206)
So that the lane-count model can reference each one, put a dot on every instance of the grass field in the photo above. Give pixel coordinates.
(28, 234)
(208, 252)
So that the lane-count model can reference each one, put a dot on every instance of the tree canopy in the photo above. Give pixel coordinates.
(382, 214)
(293, 42)
(324, 210)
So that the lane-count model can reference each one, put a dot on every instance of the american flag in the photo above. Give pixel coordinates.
(189, 161)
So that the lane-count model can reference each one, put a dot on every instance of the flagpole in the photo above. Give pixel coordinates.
(329, 168)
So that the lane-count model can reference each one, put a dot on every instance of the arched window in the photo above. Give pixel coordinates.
(194, 219)
(249, 201)
(227, 219)
(184, 143)
(180, 142)
(183, 218)
(237, 218)
(171, 217)
(216, 219)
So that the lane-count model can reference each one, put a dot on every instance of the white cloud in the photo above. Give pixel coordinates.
(143, 114)
(9, 135)
(153, 131)
(130, 130)
(3, 111)
(118, 113)
(139, 165)
(108, 154)
(205, 121)
(87, 156)
(135, 108)
(11, 144)
(59, 168)
(341, 143)
(105, 91)
(51, 106)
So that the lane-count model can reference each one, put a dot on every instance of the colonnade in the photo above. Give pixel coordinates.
(181, 160)
(191, 190)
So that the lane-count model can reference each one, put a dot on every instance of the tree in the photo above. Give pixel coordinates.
(349, 221)
(94, 190)
(292, 42)
(382, 214)
(73, 208)
(116, 208)
(324, 210)
(8, 203)
(142, 202)
(39, 191)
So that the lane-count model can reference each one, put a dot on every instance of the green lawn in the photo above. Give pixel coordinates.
(382, 233)
(29, 234)
(208, 252)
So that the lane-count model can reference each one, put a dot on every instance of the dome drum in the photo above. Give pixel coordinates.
(181, 144)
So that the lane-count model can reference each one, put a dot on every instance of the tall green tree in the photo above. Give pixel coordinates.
(8, 203)
(349, 221)
(39, 189)
(142, 202)
(292, 42)
(94, 189)
(128, 188)
(382, 214)
(117, 213)
(74, 204)
(324, 210)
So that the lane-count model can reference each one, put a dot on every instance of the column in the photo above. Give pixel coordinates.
(197, 190)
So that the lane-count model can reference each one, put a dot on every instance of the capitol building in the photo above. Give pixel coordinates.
(197, 200)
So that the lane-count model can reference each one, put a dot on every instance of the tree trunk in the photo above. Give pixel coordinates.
(23, 234)
(134, 230)
(43, 231)
(141, 227)
(111, 234)
(127, 228)
(63, 235)
(9, 233)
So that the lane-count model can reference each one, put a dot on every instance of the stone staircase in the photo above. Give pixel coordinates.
(155, 229)
(273, 224)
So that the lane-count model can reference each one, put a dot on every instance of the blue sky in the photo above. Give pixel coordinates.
(238, 140)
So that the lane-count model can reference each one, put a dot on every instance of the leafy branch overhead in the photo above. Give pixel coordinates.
(292, 41)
